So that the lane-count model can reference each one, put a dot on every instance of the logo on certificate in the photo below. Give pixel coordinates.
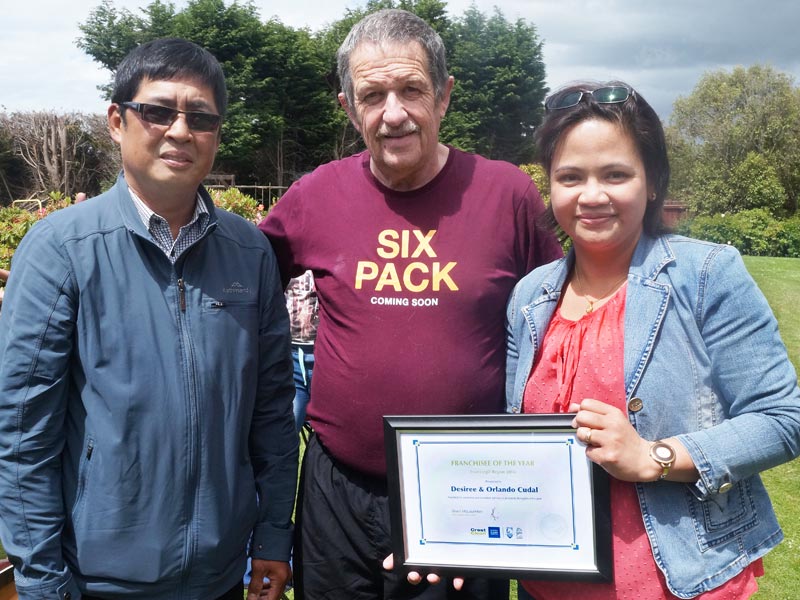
(494, 532)
(509, 532)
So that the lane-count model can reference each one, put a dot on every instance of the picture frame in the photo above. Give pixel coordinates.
(507, 496)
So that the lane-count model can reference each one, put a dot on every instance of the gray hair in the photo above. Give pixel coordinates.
(398, 26)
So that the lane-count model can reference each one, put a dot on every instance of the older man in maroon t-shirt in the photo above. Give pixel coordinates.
(415, 247)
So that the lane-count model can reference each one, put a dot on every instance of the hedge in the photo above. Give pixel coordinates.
(753, 232)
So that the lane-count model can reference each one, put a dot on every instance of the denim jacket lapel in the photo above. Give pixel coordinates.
(645, 305)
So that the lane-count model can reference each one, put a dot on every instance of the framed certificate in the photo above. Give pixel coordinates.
(510, 496)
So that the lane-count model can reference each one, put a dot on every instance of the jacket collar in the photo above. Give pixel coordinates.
(651, 256)
(645, 305)
(130, 216)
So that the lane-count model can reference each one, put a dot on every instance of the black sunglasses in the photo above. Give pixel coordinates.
(604, 95)
(163, 115)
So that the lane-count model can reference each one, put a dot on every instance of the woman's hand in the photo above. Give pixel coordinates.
(613, 443)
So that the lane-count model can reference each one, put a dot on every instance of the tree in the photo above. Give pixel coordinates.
(279, 114)
(715, 132)
(499, 91)
(433, 12)
(66, 153)
(304, 107)
(755, 184)
(241, 43)
(283, 117)
(108, 35)
(12, 169)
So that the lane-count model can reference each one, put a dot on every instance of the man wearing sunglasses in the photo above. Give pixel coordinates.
(146, 426)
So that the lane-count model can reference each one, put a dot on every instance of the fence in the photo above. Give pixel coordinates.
(674, 212)
(30, 204)
(263, 193)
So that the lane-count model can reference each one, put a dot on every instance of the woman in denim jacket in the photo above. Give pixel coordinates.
(666, 351)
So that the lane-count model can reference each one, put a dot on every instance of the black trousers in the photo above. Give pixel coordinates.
(342, 536)
(235, 593)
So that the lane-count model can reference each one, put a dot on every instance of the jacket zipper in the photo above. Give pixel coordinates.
(182, 294)
(190, 541)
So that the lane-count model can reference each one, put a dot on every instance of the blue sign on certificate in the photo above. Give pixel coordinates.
(497, 495)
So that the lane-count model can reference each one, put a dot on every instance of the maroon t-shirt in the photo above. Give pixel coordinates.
(412, 289)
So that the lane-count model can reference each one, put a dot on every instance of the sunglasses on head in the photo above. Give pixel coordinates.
(163, 115)
(605, 95)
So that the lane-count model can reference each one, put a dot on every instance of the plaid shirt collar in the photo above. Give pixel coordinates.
(161, 233)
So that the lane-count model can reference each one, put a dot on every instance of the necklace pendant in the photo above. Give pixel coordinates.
(590, 308)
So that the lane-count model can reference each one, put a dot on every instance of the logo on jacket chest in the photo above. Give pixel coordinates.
(236, 289)
(417, 269)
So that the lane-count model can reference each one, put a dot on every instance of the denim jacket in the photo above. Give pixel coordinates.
(704, 362)
(144, 407)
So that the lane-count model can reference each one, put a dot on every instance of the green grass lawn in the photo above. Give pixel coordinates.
(779, 279)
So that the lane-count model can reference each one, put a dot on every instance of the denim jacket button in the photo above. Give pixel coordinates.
(725, 487)
(635, 405)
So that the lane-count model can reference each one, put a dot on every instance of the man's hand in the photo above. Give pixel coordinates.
(278, 572)
(415, 578)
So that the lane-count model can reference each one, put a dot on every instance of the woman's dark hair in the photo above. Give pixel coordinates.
(634, 115)
(169, 59)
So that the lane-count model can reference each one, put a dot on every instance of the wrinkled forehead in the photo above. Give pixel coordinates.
(388, 52)
(389, 61)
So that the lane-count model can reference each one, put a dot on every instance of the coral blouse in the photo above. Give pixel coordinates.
(584, 359)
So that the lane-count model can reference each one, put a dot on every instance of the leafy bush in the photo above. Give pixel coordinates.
(540, 178)
(753, 232)
(237, 202)
(14, 224)
(786, 236)
(542, 181)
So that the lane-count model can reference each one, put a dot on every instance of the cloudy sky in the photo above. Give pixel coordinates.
(661, 48)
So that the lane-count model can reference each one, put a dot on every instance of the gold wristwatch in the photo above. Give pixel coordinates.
(664, 455)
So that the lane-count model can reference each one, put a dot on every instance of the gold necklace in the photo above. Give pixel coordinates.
(592, 301)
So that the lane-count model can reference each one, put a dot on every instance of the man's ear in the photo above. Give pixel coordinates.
(445, 103)
(350, 115)
(115, 122)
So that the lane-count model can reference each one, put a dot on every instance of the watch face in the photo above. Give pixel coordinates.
(663, 452)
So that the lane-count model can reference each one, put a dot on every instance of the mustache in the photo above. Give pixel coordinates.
(406, 129)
